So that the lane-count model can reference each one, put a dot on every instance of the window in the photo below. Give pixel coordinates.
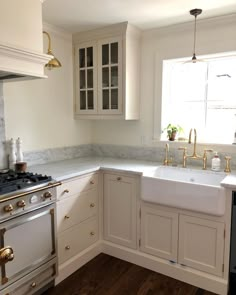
(201, 96)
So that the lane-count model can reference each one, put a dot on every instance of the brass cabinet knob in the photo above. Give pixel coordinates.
(92, 233)
(67, 247)
(33, 285)
(20, 204)
(8, 208)
(66, 191)
(119, 178)
(47, 195)
(92, 205)
(91, 182)
(67, 217)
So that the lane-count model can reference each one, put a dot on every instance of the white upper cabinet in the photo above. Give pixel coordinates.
(106, 67)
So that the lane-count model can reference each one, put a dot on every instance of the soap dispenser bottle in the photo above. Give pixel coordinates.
(215, 162)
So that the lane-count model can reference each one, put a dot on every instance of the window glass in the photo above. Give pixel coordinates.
(201, 96)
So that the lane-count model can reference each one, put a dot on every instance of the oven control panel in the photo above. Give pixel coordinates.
(20, 205)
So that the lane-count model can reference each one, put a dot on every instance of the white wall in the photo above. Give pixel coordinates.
(215, 35)
(41, 111)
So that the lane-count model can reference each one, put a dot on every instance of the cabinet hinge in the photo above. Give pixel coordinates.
(139, 242)
(223, 267)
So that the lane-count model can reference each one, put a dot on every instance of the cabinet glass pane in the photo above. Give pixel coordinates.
(105, 54)
(114, 53)
(114, 76)
(82, 58)
(90, 100)
(114, 99)
(82, 100)
(90, 79)
(105, 77)
(82, 79)
(105, 99)
(89, 56)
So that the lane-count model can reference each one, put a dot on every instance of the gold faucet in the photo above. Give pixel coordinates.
(167, 160)
(194, 156)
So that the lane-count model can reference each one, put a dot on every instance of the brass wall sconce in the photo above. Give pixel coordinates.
(195, 12)
(54, 62)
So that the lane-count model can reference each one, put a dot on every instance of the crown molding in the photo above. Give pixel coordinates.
(56, 31)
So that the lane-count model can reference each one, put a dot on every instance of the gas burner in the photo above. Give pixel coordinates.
(13, 181)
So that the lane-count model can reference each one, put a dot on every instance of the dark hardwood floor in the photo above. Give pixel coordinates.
(106, 275)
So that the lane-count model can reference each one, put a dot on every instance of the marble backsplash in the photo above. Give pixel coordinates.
(153, 154)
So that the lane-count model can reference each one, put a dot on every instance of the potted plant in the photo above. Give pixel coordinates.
(172, 130)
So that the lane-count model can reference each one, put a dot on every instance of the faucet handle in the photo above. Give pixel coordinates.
(207, 151)
(182, 149)
(227, 165)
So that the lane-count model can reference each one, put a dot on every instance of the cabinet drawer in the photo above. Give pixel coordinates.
(77, 238)
(77, 185)
(34, 281)
(75, 209)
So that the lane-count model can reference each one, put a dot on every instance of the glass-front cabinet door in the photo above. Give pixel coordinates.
(86, 78)
(110, 76)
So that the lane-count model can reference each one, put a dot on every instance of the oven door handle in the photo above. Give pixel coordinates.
(6, 255)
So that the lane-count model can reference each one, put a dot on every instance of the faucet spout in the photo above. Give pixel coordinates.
(194, 143)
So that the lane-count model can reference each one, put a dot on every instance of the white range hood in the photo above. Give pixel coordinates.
(21, 40)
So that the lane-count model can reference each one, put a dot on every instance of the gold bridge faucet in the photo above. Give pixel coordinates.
(194, 156)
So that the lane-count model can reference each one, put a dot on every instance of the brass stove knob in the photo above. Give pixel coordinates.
(47, 195)
(20, 204)
(8, 208)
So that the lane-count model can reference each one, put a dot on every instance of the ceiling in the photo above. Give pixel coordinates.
(83, 15)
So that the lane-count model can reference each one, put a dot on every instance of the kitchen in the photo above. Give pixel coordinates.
(41, 111)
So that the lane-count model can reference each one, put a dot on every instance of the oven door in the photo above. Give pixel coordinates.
(26, 242)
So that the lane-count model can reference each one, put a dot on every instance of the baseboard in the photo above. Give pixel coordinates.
(182, 273)
(185, 274)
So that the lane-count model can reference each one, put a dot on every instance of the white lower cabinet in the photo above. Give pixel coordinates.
(201, 244)
(77, 238)
(189, 241)
(120, 210)
(77, 216)
(159, 233)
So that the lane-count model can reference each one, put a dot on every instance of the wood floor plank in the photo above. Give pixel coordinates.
(106, 275)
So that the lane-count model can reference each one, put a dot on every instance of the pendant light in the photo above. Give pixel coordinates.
(54, 62)
(195, 12)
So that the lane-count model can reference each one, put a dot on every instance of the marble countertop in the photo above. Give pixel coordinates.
(66, 169)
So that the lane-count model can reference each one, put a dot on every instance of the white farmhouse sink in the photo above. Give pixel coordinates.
(185, 188)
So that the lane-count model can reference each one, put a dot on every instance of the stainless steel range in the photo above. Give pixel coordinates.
(28, 262)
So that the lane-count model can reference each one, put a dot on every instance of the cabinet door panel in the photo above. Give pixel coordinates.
(201, 244)
(110, 76)
(120, 210)
(159, 233)
(86, 78)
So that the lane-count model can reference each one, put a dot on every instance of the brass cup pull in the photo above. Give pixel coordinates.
(92, 233)
(33, 285)
(66, 191)
(67, 217)
(67, 247)
(92, 205)
(119, 178)
(6, 255)
(91, 182)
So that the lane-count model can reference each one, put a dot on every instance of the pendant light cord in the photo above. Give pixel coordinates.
(194, 38)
